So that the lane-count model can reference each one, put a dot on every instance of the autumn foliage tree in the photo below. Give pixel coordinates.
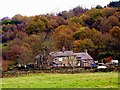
(96, 29)
(81, 45)
(63, 37)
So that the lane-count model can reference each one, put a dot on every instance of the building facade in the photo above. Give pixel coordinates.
(69, 58)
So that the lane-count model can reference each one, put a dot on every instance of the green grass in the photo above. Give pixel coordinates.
(81, 80)
(1, 44)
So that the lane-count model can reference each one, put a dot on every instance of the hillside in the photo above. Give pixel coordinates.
(97, 30)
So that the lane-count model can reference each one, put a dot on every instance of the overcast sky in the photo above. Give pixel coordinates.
(35, 7)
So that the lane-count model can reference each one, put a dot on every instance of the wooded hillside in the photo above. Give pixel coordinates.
(97, 30)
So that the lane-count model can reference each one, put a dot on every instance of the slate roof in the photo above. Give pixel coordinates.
(83, 55)
(62, 54)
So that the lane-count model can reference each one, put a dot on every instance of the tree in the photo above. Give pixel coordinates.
(97, 38)
(114, 21)
(117, 14)
(81, 45)
(108, 11)
(35, 27)
(115, 32)
(76, 20)
(114, 4)
(99, 7)
(19, 52)
(104, 57)
(21, 35)
(18, 19)
(105, 25)
(77, 11)
(60, 20)
(53, 24)
(93, 34)
(84, 32)
(13, 52)
(7, 22)
(63, 37)
(107, 41)
(90, 17)
(26, 55)
(35, 43)
(66, 15)
(74, 26)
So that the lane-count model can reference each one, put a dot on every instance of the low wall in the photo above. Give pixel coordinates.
(16, 73)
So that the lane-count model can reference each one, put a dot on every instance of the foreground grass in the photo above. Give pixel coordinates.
(81, 80)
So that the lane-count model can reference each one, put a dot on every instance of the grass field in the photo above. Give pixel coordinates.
(81, 80)
(0, 45)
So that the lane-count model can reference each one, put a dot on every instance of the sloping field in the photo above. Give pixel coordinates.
(81, 80)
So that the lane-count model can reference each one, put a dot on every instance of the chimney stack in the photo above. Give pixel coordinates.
(86, 51)
(63, 49)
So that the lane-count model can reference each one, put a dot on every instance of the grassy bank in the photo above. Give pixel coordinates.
(81, 80)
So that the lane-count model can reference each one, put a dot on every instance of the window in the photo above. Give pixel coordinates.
(64, 58)
(78, 58)
(60, 59)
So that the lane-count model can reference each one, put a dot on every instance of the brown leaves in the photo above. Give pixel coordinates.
(81, 45)
(62, 35)
(115, 32)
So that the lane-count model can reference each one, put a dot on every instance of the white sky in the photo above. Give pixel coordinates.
(35, 7)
